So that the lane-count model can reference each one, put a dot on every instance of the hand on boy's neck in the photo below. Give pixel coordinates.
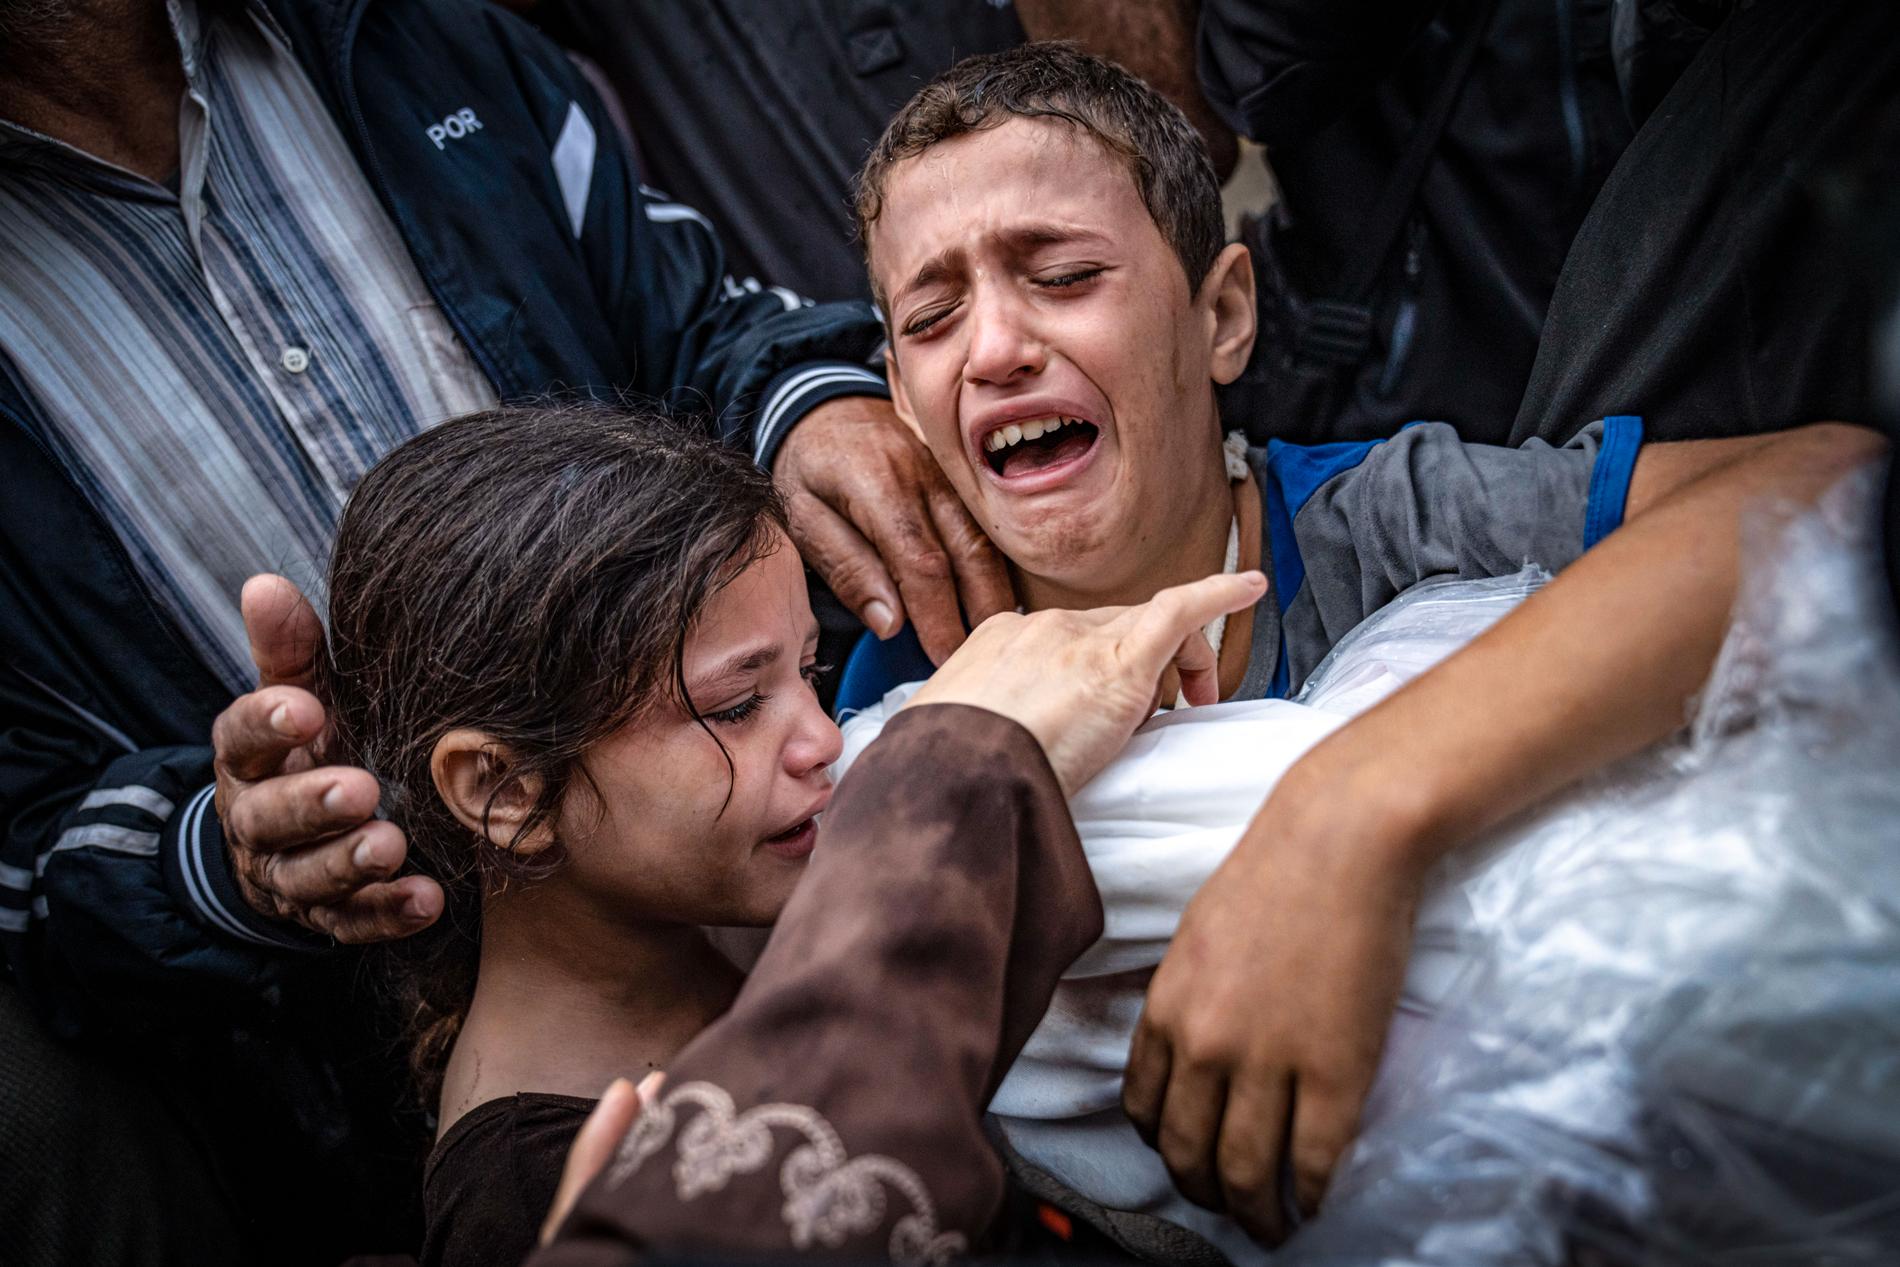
(1161, 561)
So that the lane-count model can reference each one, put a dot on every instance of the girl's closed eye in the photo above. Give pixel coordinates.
(740, 711)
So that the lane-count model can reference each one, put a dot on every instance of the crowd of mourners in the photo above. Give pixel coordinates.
(447, 444)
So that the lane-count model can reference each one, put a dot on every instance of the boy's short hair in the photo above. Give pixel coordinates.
(1056, 80)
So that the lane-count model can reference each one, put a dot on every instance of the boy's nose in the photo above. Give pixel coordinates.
(1003, 347)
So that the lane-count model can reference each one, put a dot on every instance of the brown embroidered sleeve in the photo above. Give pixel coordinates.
(836, 1108)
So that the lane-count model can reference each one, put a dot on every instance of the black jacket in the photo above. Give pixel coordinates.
(1335, 90)
(115, 901)
(1717, 284)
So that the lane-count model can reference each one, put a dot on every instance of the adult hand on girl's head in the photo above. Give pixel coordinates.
(1081, 681)
(303, 840)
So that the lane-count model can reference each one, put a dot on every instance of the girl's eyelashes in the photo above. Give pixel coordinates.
(740, 711)
(812, 673)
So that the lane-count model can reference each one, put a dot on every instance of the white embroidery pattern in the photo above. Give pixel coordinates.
(829, 1195)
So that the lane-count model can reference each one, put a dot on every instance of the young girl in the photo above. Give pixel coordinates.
(576, 649)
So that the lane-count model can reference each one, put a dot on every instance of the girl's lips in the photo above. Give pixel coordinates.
(796, 843)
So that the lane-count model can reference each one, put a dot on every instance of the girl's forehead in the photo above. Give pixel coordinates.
(765, 602)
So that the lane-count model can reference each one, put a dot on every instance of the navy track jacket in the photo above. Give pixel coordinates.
(116, 903)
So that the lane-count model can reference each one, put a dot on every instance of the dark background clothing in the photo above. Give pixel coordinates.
(758, 112)
(1712, 288)
(80, 1127)
(492, 1177)
(1335, 90)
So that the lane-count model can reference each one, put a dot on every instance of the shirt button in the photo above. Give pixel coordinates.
(295, 360)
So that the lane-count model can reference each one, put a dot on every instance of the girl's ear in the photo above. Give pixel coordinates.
(1227, 292)
(475, 778)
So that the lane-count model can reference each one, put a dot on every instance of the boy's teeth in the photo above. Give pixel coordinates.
(1016, 433)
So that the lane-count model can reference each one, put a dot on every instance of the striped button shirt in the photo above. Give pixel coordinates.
(221, 362)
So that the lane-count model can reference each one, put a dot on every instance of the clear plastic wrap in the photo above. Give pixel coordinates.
(1674, 1036)
(1656, 1021)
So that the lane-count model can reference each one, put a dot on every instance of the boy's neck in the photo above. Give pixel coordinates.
(1196, 551)
(567, 999)
(1171, 555)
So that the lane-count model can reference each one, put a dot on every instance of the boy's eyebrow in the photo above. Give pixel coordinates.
(1020, 239)
(1029, 237)
(931, 271)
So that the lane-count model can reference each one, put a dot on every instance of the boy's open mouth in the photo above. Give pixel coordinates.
(1035, 444)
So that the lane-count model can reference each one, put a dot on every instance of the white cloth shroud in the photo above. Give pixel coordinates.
(1155, 824)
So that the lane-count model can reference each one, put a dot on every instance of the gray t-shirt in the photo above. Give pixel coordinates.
(1346, 528)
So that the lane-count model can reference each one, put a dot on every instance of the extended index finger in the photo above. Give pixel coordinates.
(1160, 625)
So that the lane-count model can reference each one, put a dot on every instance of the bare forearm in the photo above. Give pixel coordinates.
(1598, 665)
(1152, 38)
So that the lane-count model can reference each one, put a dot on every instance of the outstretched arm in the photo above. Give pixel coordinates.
(1265, 1022)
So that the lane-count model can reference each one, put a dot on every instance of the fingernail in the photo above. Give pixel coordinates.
(615, 1085)
(413, 908)
(334, 798)
(879, 616)
(651, 1083)
(280, 720)
(364, 856)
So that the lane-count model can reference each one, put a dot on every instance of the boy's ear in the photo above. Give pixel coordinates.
(475, 778)
(1227, 293)
(900, 398)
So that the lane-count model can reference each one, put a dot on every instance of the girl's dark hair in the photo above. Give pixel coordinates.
(532, 573)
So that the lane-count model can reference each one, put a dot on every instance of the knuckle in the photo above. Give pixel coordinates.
(849, 577)
(1312, 1163)
(999, 625)
(339, 864)
(365, 928)
(239, 821)
(1180, 1150)
(1245, 1171)
(921, 558)
(1205, 1044)
(265, 872)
